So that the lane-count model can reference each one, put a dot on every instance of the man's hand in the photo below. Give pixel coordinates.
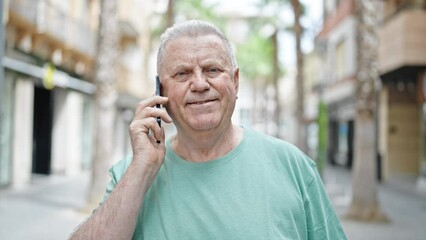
(147, 137)
(117, 217)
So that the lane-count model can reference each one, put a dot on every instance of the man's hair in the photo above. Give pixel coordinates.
(192, 28)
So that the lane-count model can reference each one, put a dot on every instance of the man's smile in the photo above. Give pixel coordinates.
(201, 102)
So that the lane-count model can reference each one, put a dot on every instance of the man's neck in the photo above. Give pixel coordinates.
(205, 146)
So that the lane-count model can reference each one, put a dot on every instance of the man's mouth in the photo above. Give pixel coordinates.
(201, 102)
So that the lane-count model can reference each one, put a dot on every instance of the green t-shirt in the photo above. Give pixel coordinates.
(265, 188)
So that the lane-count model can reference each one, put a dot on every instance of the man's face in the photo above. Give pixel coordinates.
(197, 77)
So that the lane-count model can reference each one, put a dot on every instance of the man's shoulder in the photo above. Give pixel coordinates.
(272, 142)
(283, 149)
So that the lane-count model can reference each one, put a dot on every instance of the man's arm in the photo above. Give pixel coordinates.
(117, 217)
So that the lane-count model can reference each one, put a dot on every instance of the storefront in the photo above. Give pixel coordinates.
(45, 130)
(401, 122)
(421, 181)
(341, 132)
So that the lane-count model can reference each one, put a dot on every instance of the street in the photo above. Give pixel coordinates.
(48, 208)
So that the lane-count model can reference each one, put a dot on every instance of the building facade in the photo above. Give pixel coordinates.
(336, 45)
(47, 100)
(402, 61)
(402, 66)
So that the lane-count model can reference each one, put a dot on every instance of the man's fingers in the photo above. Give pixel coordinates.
(154, 112)
(158, 139)
(138, 126)
(145, 120)
(150, 102)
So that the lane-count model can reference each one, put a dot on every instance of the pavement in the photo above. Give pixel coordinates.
(399, 200)
(49, 208)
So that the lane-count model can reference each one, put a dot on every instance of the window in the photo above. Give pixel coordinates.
(340, 69)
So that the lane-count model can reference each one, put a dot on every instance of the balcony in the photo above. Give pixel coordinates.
(25, 10)
(333, 19)
(129, 21)
(81, 37)
(43, 18)
(403, 41)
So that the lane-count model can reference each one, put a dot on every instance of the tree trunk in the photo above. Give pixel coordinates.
(105, 97)
(301, 130)
(365, 205)
(170, 14)
(275, 82)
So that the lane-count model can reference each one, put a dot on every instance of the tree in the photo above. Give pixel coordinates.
(300, 82)
(297, 29)
(186, 9)
(105, 99)
(365, 205)
(258, 63)
(170, 13)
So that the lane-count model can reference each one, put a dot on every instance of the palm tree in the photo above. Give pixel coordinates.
(105, 98)
(170, 13)
(365, 204)
(297, 8)
(300, 83)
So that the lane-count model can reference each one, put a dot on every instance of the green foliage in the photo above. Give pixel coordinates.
(278, 6)
(322, 122)
(263, 3)
(255, 57)
(191, 9)
(198, 9)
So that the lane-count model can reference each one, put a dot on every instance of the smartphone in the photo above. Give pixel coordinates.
(158, 93)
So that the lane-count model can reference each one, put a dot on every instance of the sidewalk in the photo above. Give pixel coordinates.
(399, 201)
(46, 209)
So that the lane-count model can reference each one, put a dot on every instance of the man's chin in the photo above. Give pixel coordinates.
(204, 124)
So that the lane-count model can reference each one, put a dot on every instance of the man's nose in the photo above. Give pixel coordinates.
(199, 82)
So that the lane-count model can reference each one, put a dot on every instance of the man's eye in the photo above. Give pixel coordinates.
(212, 71)
(181, 74)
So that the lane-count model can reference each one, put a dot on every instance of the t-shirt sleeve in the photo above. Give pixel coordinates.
(116, 172)
(322, 221)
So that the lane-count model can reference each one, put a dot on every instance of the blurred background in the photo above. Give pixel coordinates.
(344, 80)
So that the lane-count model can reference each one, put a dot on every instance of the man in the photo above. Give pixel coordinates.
(213, 179)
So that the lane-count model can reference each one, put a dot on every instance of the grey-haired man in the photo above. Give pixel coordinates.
(213, 179)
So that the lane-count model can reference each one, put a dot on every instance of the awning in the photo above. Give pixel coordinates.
(58, 78)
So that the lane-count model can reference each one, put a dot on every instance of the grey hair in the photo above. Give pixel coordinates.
(192, 28)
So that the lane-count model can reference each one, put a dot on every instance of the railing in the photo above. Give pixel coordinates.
(50, 19)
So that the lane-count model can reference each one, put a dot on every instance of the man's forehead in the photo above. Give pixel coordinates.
(205, 40)
(206, 48)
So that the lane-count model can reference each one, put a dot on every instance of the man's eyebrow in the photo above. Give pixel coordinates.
(180, 66)
(213, 62)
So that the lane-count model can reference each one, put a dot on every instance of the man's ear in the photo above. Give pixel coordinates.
(236, 80)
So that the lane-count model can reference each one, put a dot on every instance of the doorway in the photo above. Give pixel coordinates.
(42, 130)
